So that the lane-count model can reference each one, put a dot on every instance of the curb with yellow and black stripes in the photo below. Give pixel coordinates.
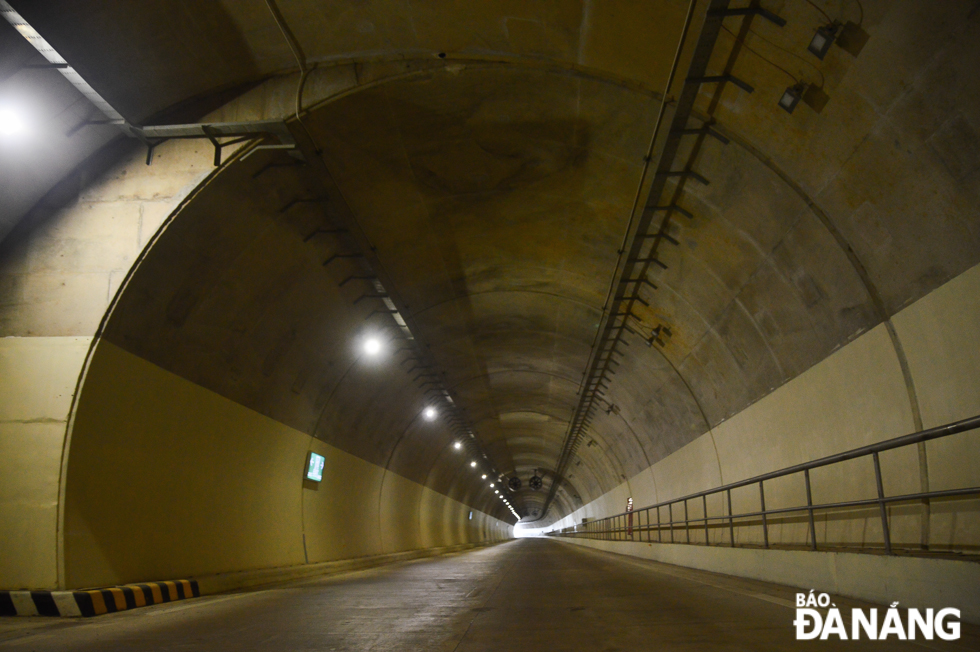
(95, 602)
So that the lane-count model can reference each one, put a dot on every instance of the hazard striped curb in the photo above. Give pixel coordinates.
(95, 602)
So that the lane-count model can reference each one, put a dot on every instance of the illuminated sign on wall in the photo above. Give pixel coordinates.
(314, 470)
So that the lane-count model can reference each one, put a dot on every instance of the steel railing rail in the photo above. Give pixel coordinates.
(620, 526)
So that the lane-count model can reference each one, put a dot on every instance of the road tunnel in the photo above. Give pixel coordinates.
(341, 297)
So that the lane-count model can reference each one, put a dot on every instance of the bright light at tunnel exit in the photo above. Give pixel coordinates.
(522, 531)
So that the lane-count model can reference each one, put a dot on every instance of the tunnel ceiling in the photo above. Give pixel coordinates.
(496, 187)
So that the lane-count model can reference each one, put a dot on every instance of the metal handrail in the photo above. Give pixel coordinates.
(623, 521)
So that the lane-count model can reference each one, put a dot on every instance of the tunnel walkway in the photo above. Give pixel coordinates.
(525, 594)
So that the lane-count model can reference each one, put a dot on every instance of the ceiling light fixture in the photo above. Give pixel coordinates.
(11, 123)
(430, 413)
(791, 97)
(822, 40)
(473, 464)
(457, 445)
(484, 476)
(372, 346)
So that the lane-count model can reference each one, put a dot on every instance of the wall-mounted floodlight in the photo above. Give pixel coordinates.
(822, 40)
(430, 413)
(372, 346)
(457, 445)
(791, 97)
(314, 467)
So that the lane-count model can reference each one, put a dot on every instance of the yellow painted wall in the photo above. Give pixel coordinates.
(37, 381)
(167, 479)
(855, 397)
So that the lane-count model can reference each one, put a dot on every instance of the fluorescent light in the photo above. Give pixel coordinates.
(430, 413)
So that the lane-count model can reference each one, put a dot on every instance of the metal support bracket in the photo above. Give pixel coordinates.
(750, 11)
(684, 174)
(675, 208)
(357, 277)
(336, 256)
(721, 79)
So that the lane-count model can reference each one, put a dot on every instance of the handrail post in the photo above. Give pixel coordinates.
(765, 522)
(731, 521)
(809, 509)
(881, 504)
(704, 502)
(687, 522)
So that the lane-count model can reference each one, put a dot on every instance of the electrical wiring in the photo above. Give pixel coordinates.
(771, 63)
(861, 10)
(789, 52)
(826, 15)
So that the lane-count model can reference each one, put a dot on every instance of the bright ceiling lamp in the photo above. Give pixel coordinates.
(484, 476)
(372, 346)
(473, 464)
(430, 413)
(12, 123)
(496, 491)
(491, 485)
(457, 445)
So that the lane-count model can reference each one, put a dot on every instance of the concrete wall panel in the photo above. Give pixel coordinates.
(37, 382)
(940, 336)
(167, 479)
(341, 512)
(853, 398)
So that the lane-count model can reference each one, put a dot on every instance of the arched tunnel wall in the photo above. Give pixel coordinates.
(764, 303)
(122, 498)
(168, 479)
(856, 396)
